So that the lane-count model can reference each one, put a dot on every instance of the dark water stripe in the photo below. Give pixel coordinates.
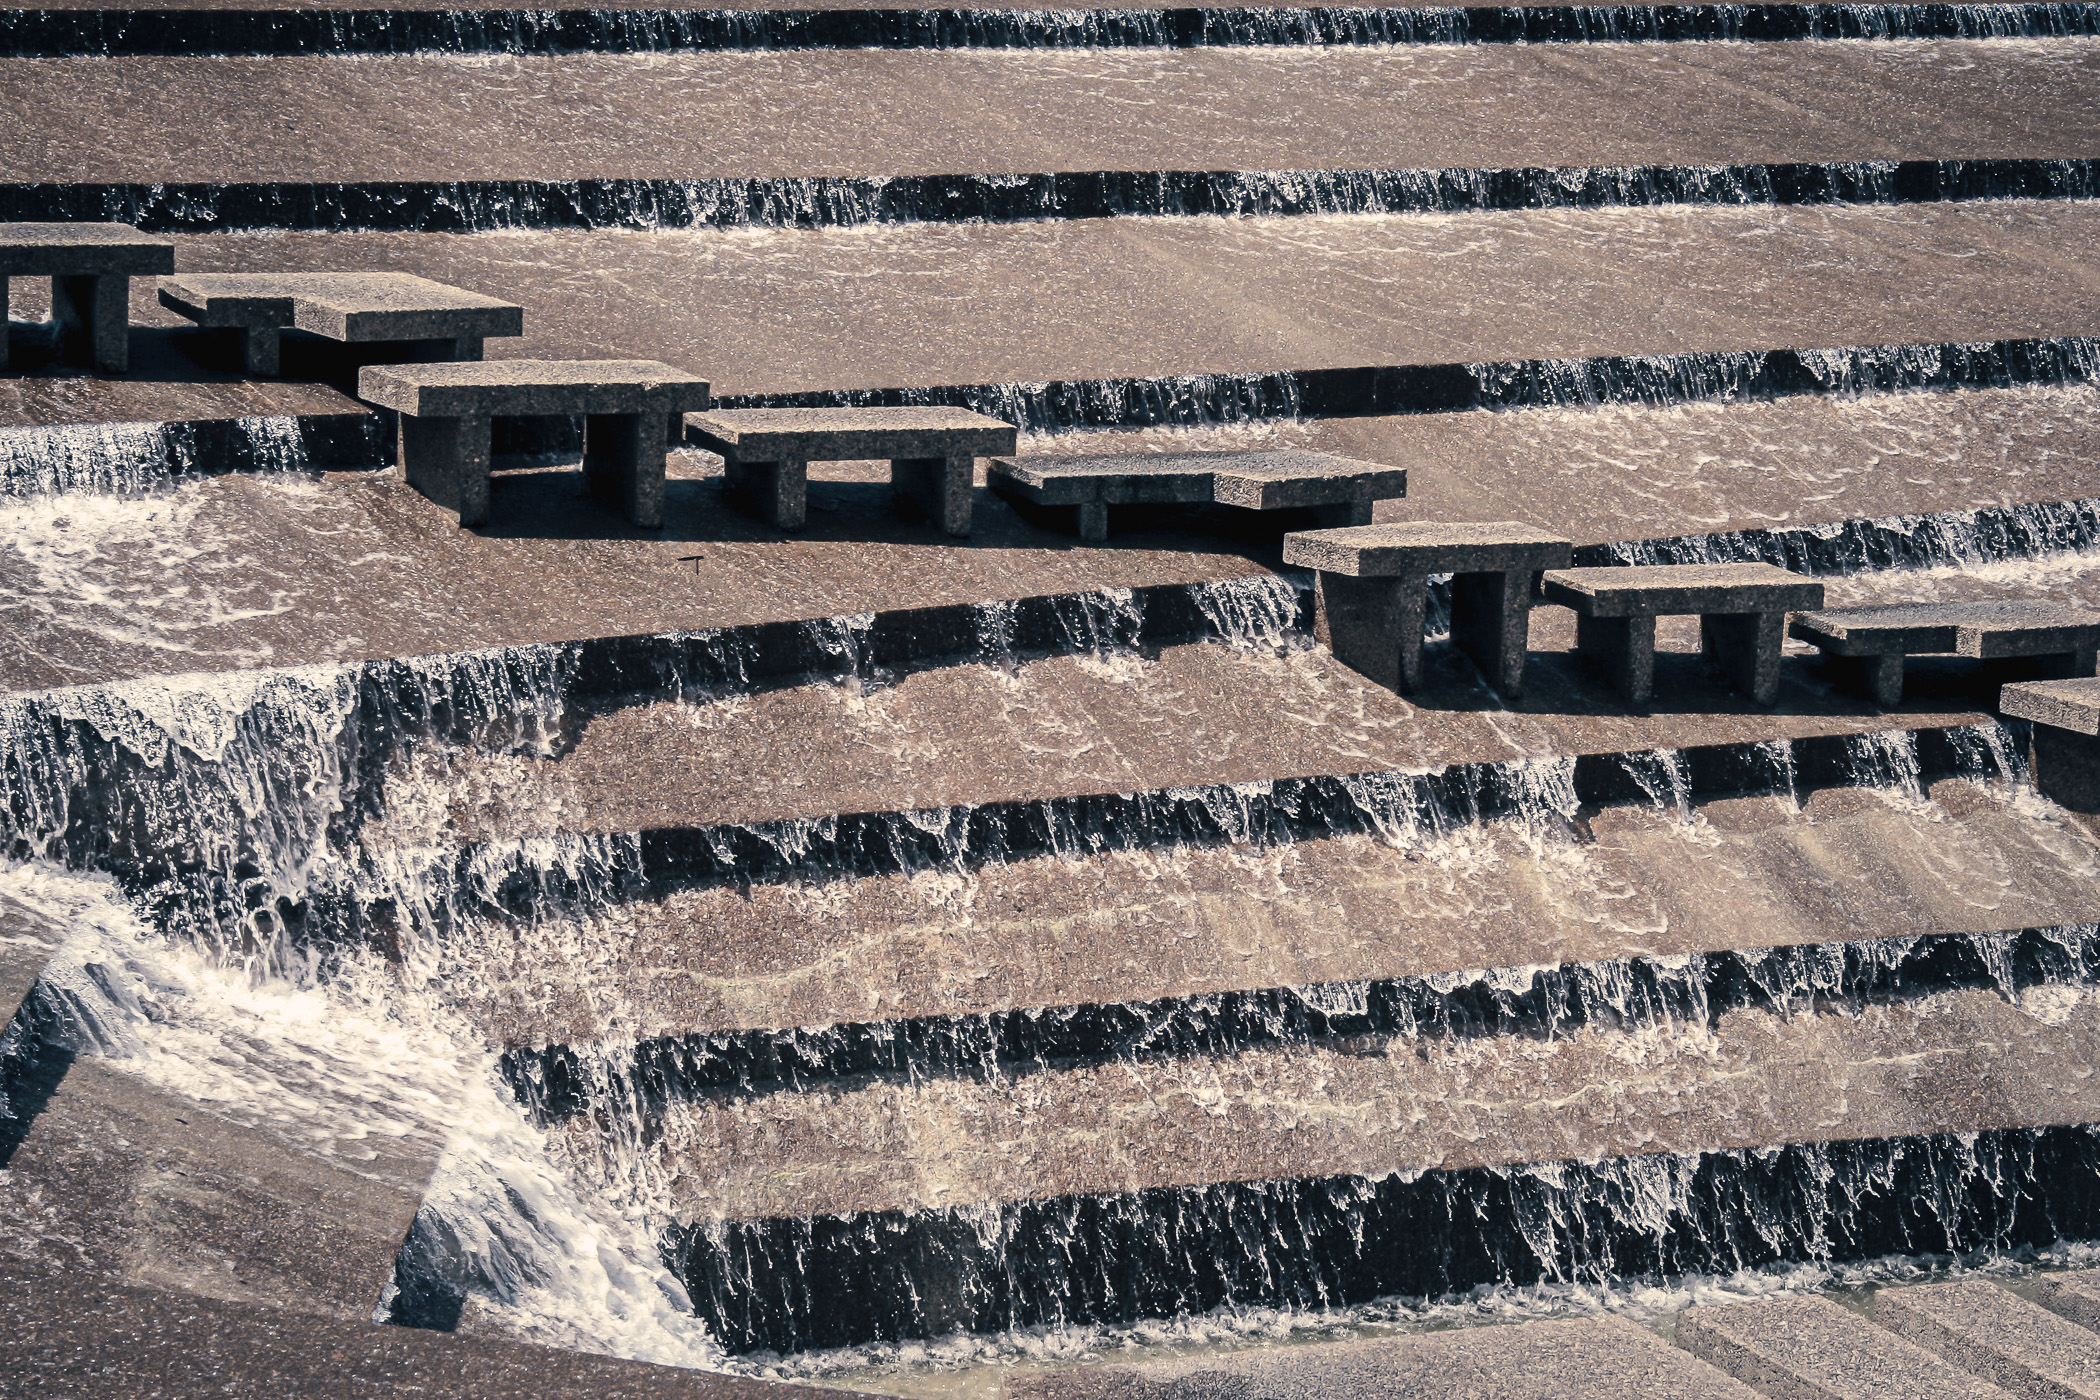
(792, 1284)
(845, 201)
(204, 31)
(559, 1082)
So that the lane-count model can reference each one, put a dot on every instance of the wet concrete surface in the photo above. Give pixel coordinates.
(74, 1335)
(1957, 1063)
(877, 112)
(1129, 927)
(248, 571)
(774, 311)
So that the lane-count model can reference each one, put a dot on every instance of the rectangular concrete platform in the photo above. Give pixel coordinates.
(1881, 637)
(1742, 611)
(90, 266)
(1992, 1334)
(1591, 1359)
(445, 411)
(1812, 1349)
(1339, 491)
(2064, 757)
(932, 452)
(352, 307)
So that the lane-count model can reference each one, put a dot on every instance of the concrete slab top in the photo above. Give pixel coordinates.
(1269, 480)
(1911, 628)
(64, 250)
(1998, 1335)
(348, 306)
(494, 388)
(2072, 704)
(1663, 589)
(849, 434)
(1811, 1345)
(1427, 547)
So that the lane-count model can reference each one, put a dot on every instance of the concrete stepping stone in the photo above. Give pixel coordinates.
(1742, 611)
(1374, 585)
(1881, 637)
(358, 308)
(1812, 1349)
(932, 453)
(1340, 490)
(445, 411)
(2075, 1295)
(2017, 1345)
(1587, 1359)
(90, 267)
(2065, 758)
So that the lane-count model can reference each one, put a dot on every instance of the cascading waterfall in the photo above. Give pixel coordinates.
(120, 458)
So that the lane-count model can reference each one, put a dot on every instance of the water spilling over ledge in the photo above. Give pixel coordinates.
(140, 32)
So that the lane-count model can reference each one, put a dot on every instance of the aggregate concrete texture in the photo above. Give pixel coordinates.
(528, 387)
(2064, 704)
(776, 311)
(351, 306)
(2016, 1344)
(1809, 1348)
(1656, 590)
(1272, 479)
(1849, 864)
(850, 434)
(70, 1336)
(865, 112)
(1962, 1062)
(2074, 1294)
(1427, 547)
(28, 937)
(1591, 1359)
(1974, 629)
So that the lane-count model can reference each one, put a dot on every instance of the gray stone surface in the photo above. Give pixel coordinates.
(1742, 612)
(72, 1336)
(2017, 1345)
(932, 452)
(2075, 1295)
(445, 411)
(1878, 638)
(90, 267)
(1592, 1359)
(352, 307)
(1374, 585)
(1341, 489)
(2064, 704)
(1812, 1349)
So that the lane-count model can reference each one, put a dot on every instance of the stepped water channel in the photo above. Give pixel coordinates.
(563, 957)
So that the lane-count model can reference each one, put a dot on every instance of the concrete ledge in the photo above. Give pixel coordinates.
(2072, 705)
(2015, 1344)
(1812, 1349)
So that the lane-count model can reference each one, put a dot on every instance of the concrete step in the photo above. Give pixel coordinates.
(2004, 1339)
(843, 113)
(1586, 1360)
(1809, 1348)
(758, 311)
(2074, 1294)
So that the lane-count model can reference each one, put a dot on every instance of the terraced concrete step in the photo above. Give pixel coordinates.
(1110, 298)
(1592, 1359)
(1811, 1349)
(847, 113)
(1989, 1332)
(2074, 1294)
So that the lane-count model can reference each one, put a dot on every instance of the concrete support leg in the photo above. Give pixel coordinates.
(262, 350)
(466, 347)
(1625, 648)
(1090, 518)
(1342, 513)
(776, 492)
(1491, 623)
(1374, 626)
(94, 320)
(447, 459)
(623, 465)
(2065, 766)
(1746, 647)
(942, 487)
(2070, 665)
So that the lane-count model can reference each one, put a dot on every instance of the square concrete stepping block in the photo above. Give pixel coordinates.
(2019, 1346)
(1374, 590)
(1340, 489)
(1812, 1349)
(351, 307)
(1741, 608)
(90, 267)
(1880, 637)
(1588, 1359)
(2064, 757)
(932, 452)
(445, 411)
